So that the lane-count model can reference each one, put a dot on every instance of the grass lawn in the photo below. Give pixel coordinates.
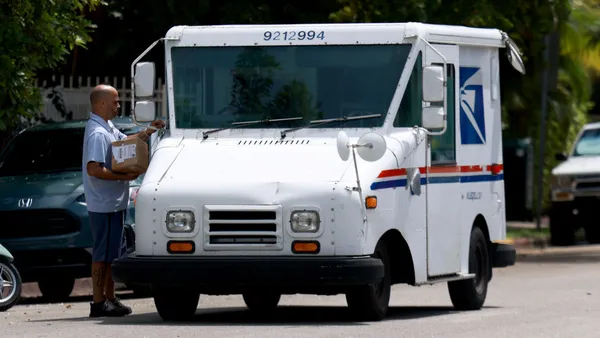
(543, 233)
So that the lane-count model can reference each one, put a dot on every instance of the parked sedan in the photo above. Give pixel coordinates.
(43, 213)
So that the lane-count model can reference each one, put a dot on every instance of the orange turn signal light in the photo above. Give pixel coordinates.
(371, 202)
(306, 247)
(176, 247)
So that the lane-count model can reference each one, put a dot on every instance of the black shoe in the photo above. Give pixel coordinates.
(117, 303)
(107, 309)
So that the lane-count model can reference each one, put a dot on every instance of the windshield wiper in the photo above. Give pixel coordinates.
(314, 123)
(246, 123)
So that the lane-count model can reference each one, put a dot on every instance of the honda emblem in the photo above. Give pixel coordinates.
(25, 202)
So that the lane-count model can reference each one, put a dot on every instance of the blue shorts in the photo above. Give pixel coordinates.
(108, 236)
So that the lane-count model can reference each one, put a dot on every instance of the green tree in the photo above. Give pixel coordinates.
(35, 35)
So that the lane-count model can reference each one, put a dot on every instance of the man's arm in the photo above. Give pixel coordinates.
(143, 135)
(96, 169)
(97, 148)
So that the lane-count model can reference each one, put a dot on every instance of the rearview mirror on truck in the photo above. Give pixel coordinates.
(144, 79)
(433, 117)
(433, 83)
(145, 111)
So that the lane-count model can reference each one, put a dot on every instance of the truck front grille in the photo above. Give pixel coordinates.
(242, 227)
(36, 223)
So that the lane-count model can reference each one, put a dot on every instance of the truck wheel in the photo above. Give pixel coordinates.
(10, 286)
(470, 294)
(370, 302)
(56, 289)
(174, 305)
(261, 301)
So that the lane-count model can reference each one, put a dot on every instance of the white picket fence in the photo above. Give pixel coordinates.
(75, 92)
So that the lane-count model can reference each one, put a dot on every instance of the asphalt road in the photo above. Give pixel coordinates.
(542, 296)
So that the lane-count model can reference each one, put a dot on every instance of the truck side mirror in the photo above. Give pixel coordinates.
(434, 116)
(145, 111)
(433, 84)
(144, 79)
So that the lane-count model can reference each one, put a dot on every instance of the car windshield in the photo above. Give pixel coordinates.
(216, 86)
(43, 151)
(588, 144)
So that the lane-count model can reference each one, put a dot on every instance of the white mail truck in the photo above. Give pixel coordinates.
(322, 159)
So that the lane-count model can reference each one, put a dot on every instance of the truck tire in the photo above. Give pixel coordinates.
(470, 294)
(261, 301)
(56, 288)
(175, 305)
(371, 302)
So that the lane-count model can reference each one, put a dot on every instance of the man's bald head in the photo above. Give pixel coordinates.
(104, 100)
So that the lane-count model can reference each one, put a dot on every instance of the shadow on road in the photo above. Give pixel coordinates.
(73, 299)
(285, 315)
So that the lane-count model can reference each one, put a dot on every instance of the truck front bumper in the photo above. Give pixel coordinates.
(233, 274)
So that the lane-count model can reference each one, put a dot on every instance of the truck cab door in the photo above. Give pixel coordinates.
(443, 178)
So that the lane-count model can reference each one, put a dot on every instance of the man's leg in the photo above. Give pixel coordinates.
(98, 224)
(117, 248)
(101, 226)
(99, 280)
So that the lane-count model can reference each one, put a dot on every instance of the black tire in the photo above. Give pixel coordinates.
(261, 301)
(14, 277)
(371, 302)
(470, 294)
(56, 289)
(175, 305)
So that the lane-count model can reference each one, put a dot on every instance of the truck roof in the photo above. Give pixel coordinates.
(461, 35)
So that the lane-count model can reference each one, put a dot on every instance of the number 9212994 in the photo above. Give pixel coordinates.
(292, 35)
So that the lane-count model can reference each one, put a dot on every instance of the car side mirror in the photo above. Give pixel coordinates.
(560, 157)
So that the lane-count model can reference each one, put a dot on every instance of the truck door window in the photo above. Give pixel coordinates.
(409, 112)
(443, 147)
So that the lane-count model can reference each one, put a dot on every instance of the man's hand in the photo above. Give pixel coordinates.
(158, 124)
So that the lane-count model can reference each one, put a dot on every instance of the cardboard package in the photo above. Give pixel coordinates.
(130, 156)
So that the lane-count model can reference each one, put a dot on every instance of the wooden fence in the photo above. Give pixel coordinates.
(75, 92)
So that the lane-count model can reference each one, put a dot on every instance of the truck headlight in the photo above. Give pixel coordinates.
(180, 221)
(305, 221)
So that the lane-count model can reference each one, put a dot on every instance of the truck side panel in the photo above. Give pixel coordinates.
(479, 144)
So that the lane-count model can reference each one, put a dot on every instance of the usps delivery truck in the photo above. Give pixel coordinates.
(322, 159)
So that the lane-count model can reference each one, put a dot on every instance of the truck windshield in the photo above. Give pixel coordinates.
(216, 86)
(588, 144)
(42, 152)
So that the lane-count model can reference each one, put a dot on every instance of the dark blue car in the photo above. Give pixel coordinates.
(44, 220)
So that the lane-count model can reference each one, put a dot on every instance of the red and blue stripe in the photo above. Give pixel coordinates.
(392, 178)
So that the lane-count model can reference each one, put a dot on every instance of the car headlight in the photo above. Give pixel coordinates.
(305, 221)
(180, 221)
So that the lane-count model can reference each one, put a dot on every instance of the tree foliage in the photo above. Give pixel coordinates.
(35, 35)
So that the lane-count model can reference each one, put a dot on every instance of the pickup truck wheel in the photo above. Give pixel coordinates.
(470, 294)
(56, 289)
(175, 305)
(370, 302)
(261, 301)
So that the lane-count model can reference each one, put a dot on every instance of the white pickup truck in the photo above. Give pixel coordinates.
(575, 190)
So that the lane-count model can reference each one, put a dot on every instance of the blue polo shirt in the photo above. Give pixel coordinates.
(102, 195)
